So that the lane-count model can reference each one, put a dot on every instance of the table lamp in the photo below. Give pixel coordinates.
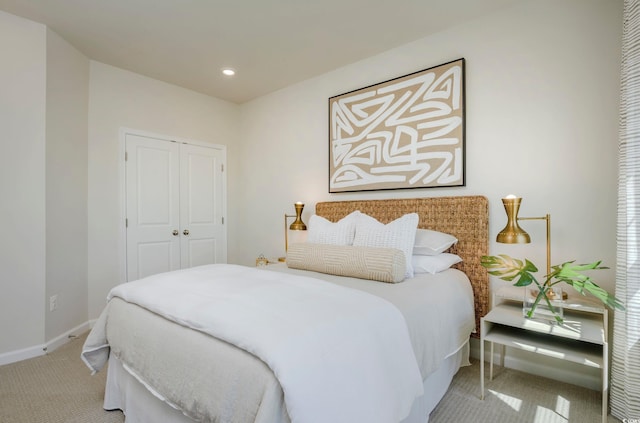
(297, 225)
(514, 234)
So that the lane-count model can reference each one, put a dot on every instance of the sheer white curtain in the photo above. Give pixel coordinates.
(625, 373)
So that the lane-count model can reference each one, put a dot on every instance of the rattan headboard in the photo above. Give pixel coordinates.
(466, 218)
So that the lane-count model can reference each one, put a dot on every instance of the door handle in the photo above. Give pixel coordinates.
(175, 232)
(186, 232)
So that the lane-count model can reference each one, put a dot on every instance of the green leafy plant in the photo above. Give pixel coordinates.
(522, 274)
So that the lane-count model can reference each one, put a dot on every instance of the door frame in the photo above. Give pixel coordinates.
(123, 132)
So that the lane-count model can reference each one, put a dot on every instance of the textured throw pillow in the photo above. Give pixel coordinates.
(431, 243)
(322, 231)
(377, 264)
(400, 234)
(434, 264)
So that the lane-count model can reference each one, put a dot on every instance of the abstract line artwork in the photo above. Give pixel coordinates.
(404, 133)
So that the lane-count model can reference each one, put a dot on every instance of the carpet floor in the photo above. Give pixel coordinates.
(516, 397)
(54, 388)
(58, 388)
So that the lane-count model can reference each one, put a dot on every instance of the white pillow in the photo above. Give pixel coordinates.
(400, 234)
(431, 243)
(434, 264)
(322, 231)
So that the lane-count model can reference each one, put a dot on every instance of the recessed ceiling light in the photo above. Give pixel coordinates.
(228, 71)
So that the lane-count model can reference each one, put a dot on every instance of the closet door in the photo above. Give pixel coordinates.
(201, 206)
(174, 205)
(152, 173)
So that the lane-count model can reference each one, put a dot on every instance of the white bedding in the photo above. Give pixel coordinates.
(438, 309)
(332, 363)
(123, 391)
(439, 306)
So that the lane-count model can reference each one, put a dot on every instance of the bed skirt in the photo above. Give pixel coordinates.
(125, 392)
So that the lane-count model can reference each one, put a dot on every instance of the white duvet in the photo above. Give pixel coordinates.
(340, 355)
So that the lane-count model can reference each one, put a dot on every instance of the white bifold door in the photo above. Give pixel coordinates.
(174, 205)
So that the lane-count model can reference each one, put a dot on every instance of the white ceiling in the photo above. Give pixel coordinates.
(271, 43)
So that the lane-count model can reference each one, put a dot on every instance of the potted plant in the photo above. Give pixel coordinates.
(522, 274)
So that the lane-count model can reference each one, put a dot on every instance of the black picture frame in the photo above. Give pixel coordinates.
(407, 132)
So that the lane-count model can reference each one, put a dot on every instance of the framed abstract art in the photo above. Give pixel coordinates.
(408, 132)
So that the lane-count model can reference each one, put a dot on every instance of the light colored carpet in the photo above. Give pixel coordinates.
(54, 388)
(516, 397)
(58, 388)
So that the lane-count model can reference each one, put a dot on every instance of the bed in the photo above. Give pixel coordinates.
(169, 367)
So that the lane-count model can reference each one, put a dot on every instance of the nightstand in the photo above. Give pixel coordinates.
(582, 338)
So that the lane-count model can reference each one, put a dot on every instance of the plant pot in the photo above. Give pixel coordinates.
(535, 306)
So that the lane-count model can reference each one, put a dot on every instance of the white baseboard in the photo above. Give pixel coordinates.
(59, 341)
(23, 354)
(532, 363)
(52, 345)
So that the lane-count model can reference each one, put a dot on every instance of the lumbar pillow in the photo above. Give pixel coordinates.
(322, 231)
(434, 264)
(400, 234)
(378, 264)
(431, 243)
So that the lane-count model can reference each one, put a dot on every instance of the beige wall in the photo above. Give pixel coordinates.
(66, 186)
(43, 186)
(22, 182)
(121, 99)
(542, 83)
